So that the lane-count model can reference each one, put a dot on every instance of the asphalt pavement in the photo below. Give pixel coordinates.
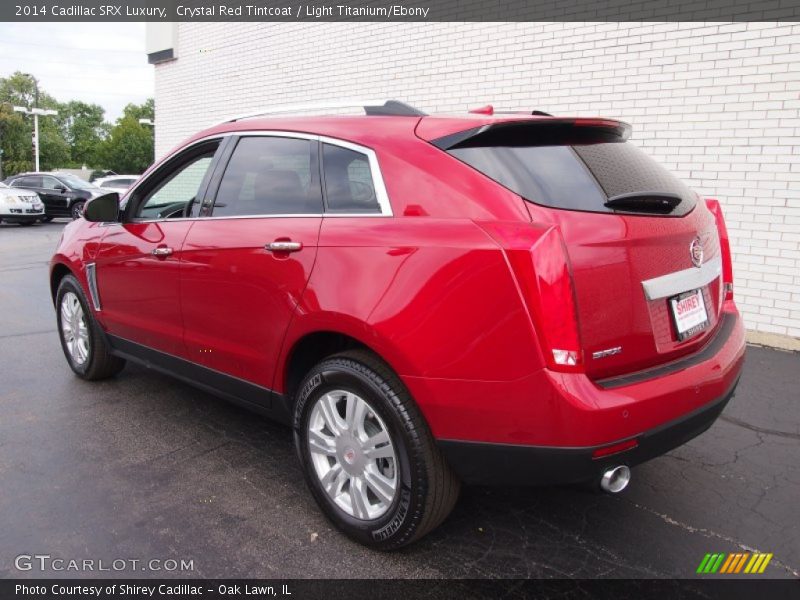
(144, 467)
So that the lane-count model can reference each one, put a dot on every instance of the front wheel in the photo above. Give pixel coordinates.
(46, 219)
(77, 209)
(369, 459)
(82, 340)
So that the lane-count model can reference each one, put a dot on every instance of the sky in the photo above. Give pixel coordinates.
(98, 63)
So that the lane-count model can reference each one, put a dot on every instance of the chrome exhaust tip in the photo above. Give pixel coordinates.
(615, 479)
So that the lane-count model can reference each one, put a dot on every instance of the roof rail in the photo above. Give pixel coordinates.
(371, 107)
(489, 110)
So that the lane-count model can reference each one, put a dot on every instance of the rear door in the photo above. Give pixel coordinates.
(246, 262)
(633, 233)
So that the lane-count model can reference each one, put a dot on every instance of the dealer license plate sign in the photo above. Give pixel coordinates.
(689, 313)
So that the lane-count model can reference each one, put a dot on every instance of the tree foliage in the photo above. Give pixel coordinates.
(78, 136)
(83, 128)
(129, 147)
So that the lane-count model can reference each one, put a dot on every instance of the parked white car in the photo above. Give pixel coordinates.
(116, 183)
(20, 205)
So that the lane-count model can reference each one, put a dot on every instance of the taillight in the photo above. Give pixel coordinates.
(725, 248)
(539, 259)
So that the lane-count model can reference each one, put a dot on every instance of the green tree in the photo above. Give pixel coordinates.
(129, 147)
(83, 128)
(21, 89)
(15, 142)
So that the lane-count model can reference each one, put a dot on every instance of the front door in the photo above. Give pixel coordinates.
(139, 260)
(55, 195)
(247, 262)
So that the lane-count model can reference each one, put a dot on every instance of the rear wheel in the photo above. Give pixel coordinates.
(81, 338)
(77, 209)
(369, 459)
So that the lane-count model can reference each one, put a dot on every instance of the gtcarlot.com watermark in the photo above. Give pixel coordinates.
(48, 563)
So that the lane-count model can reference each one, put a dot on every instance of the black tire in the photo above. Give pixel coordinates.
(46, 219)
(427, 488)
(76, 210)
(100, 363)
(27, 223)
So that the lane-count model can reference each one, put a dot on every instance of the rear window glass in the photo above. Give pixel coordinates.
(580, 177)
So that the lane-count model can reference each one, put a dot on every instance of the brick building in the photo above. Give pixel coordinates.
(717, 103)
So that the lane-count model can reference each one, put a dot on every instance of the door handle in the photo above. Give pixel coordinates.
(162, 252)
(284, 246)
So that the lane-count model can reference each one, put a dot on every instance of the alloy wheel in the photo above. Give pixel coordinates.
(74, 328)
(353, 454)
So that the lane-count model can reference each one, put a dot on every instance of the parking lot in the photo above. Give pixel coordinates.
(144, 467)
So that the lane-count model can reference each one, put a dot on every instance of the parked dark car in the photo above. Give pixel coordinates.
(63, 194)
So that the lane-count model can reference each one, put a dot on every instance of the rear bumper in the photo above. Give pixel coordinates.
(509, 464)
(548, 424)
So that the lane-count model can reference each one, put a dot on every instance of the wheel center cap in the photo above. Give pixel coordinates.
(348, 450)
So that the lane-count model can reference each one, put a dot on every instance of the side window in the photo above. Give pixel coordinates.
(30, 182)
(51, 183)
(175, 194)
(348, 181)
(269, 176)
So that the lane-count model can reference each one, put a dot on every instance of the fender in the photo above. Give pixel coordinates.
(423, 294)
(77, 247)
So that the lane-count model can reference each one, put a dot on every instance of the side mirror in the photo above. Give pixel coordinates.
(61, 189)
(102, 209)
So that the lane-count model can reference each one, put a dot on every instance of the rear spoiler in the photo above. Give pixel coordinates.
(538, 132)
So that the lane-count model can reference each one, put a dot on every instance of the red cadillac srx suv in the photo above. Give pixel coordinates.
(427, 300)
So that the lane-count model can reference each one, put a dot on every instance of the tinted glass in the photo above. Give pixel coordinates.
(624, 168)
(269, 176)
(29, 181)
(580, 177)
(348, 181)
(550, 175)
(77, 183)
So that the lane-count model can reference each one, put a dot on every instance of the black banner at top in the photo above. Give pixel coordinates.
(399, 11)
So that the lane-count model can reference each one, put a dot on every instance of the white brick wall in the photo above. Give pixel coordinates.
(717, 103)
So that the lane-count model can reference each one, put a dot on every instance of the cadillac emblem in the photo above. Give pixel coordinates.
(696, 252)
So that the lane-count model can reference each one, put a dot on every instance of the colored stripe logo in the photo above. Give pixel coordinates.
(737, 562)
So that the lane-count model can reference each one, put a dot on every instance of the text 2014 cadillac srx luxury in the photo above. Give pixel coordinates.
(489, 298)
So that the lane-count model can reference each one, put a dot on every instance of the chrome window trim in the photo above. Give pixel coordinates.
(377, 176)
(678, 282)
(91, 277)
(381, 194)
